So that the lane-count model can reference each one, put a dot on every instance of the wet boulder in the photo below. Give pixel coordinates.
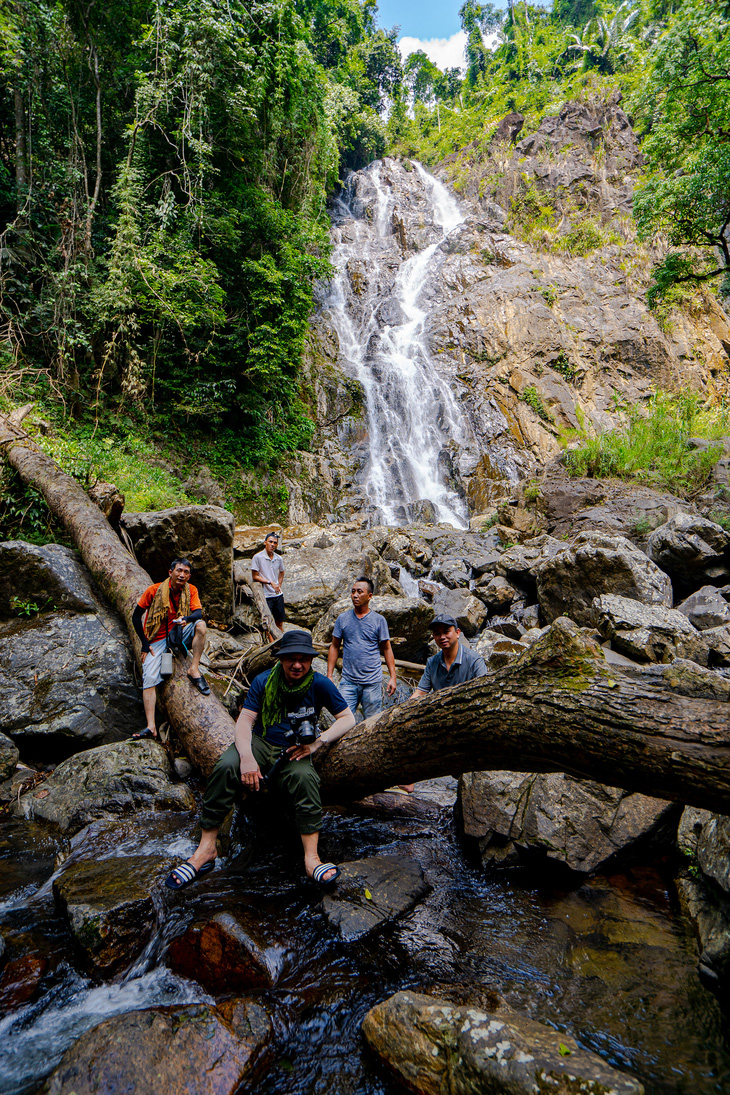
(432, 1046)
(594, 564)
(451, 572)
(706, 608)
(692, 549)
(705, 889)
(718, 642)
(572, 821)
(9, 757)
(224, 956)
(520, 563)
(316, 577)
(468, 611)
(371, 892)
(189, 1048)
(110, 907)
(50, 577)
(498, 650)
(204, 534)
(68, 682)
(496, 592)
(106, 782)
(408, 618)
(648, 633)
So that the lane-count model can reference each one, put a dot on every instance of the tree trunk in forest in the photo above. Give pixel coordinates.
(559, 707)
(202, 725)
(21, 155)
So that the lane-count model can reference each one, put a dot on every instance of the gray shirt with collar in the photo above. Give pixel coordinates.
(466, 667)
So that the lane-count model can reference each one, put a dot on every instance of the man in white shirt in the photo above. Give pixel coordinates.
(268, 568)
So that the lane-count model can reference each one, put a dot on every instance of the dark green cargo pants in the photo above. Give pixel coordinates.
(297, 779)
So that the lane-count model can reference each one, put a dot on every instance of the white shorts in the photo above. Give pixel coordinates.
(151, 675)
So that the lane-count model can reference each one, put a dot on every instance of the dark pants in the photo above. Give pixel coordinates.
(276, 608)
(297, 779)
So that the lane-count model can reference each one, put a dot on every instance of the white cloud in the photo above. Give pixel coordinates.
(444, 52)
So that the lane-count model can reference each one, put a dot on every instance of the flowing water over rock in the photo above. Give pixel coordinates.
(378, 306)
(608, 961)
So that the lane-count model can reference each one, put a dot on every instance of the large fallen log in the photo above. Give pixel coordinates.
(559, 707)
(201, 723)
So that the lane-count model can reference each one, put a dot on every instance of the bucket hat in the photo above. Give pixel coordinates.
(296, 642)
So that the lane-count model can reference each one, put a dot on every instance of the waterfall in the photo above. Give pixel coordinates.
(377, 306)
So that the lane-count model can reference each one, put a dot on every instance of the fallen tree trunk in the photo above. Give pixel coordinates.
(558, 708)
(201, 723)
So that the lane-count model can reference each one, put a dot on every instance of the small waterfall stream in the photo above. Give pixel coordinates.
(376, 305)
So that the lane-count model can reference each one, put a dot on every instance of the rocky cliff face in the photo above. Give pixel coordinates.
(535, 307)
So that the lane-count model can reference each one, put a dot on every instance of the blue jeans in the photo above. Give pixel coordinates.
(368, 696)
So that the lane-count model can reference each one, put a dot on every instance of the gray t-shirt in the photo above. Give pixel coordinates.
(361, 639)
(467, 666)
(269, 569)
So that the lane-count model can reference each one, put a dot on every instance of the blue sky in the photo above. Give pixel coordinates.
(423, 19)
(431, 25)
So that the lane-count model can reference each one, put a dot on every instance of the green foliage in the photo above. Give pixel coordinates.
(164, 226)
(24, 514)
(686, 106)
(654, 445)
(531, 397)
(565, 367)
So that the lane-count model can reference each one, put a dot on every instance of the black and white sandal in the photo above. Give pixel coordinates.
(183, 875)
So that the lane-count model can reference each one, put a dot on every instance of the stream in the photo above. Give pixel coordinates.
(609, 960)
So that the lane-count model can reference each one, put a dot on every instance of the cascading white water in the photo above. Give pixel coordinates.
(412, 413)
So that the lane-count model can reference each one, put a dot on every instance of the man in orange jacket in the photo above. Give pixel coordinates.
(174, 616)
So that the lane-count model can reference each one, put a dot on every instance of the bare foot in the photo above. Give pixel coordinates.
(407, 787)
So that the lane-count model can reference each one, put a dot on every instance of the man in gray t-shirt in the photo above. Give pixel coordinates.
(363, 635)
(268, 568)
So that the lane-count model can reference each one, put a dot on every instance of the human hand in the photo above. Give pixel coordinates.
(250, 776)
(299, 752)
(144, 655)
(392, 685)
(276, 586)
(180, 620)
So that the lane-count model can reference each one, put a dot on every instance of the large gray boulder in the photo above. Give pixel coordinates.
(692, 549)
(705, 888)
(593, 564)
(576, 822)
(202, 533)
(316, 577)
(468, 611)
(408, 618)
(706, 608)
(520, 563)
(648, 633)
(106, 782)
(435, 1046)
(9, 757)
(68, 682)
(50, 577)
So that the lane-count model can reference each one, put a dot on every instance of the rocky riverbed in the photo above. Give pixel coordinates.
(539, 920)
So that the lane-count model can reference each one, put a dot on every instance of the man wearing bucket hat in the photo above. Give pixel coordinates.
(454, 665)
(287, 694)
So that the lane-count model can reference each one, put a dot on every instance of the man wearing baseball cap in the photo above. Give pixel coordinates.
(454, 665)
(288, 692)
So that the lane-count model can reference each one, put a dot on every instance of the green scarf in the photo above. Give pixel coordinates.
(278, 695)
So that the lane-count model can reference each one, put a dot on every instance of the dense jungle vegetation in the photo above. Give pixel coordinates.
(164, 171)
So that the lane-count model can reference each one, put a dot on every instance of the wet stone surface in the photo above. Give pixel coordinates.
(372, 891)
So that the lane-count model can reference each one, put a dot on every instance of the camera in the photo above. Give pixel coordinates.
(303, 730)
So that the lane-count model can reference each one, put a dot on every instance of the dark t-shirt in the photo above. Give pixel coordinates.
(321, 693)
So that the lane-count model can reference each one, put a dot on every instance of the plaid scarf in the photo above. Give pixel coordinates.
(158, 612)
(278, 695)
